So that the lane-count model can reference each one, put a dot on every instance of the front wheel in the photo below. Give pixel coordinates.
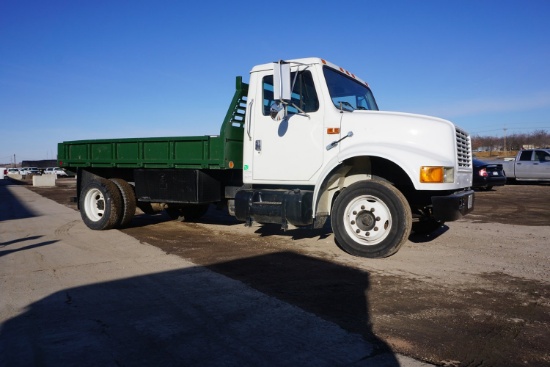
(100, 204)
(371, 219)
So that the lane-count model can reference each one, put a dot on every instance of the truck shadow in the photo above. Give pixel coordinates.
(192, 316)
(267, 230)
(220, 217)
(428, 237)
(213, 216)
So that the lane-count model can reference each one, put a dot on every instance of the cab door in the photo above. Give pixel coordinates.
(541, 165)
(524, 165)
(290, 149)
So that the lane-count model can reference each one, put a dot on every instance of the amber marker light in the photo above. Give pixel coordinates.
(333, 130)
(231, 164)
(429, 174)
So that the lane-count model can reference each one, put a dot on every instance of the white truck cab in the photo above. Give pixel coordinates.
(317, 146)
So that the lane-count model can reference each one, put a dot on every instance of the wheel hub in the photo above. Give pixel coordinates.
(365, 220)
(368, 220)
(94, 205)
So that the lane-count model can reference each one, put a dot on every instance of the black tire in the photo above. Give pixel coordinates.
(371, 219)
(188, 212)
(100, 204)
(128, 201)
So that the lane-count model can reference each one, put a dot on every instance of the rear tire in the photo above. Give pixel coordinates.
(128, 201)
(371, 219)
(100, 204)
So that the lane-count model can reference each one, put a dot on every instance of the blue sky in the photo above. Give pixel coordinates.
(73, 70)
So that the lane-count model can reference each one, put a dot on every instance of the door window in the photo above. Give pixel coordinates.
(525, 156)
(304, 95)
(541, 156)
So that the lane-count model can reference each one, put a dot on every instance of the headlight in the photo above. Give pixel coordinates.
(429, 174)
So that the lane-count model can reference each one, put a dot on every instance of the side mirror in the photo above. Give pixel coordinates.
(281, 81)
(277, 111)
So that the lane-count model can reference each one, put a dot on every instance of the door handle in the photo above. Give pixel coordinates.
(335, 143)
(258, 145)
(248, 122)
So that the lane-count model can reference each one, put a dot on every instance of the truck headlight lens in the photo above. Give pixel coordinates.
(429, 174)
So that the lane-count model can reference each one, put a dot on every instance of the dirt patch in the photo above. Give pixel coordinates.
(521, 204)
(475, 293)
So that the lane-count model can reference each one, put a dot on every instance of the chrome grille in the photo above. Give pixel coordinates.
(463, 149)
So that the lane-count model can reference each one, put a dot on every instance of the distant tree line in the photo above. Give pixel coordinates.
(512, 142)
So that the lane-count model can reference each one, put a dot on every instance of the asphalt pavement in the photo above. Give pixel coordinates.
(70, 296)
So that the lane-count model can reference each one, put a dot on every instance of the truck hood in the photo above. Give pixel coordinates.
(402, 138)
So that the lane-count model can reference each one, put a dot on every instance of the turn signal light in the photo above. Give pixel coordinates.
(430, 174)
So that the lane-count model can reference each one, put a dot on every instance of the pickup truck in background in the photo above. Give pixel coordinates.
(303, 142)
(529, 165)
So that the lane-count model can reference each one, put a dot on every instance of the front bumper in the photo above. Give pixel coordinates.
(452, 207)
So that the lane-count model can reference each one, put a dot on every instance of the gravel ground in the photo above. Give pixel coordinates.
(477, 292)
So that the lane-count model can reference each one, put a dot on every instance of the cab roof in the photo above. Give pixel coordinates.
(308, 61)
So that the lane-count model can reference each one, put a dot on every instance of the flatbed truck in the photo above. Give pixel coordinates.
(302, 142)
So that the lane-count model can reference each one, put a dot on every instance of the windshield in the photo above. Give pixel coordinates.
(348, 94)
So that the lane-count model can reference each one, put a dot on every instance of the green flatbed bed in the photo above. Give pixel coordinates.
(196, 152)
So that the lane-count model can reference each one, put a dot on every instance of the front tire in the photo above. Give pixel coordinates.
(371, 219)
(100, 204)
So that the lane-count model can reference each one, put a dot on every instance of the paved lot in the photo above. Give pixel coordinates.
(74, 297)
(475, 293)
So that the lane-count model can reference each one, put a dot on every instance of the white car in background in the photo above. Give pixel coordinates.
(30, 171)
(55, 171)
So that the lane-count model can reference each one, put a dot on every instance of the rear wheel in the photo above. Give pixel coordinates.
(371, 219)
(128, 201)
(100, 204)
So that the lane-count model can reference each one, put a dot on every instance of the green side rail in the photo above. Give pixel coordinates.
(198, 152)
